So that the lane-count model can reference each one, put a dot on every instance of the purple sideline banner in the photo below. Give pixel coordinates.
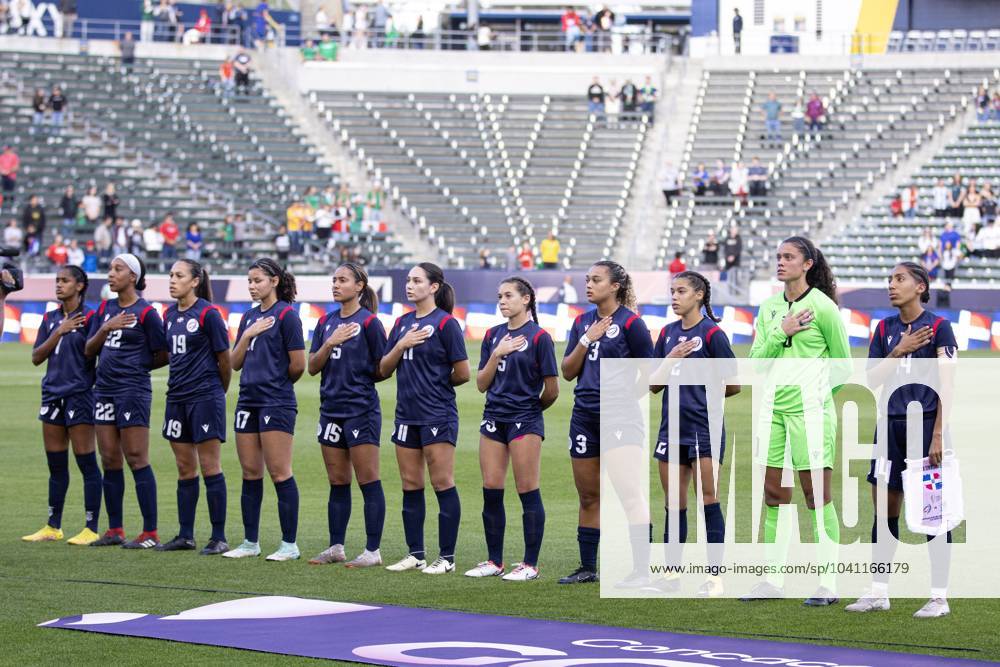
(383, 635)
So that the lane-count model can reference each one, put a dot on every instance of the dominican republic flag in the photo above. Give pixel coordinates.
(932, 481)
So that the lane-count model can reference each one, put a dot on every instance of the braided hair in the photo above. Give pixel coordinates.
(286, 281)
(524, 288)
(819, 275)
(626, 292)
(80, 276)
(368, 298)
(919, 274)
(204, 288)
(701, 284)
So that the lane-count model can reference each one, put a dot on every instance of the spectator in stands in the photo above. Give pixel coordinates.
(312, 199)
(987, 241)
(737, 31)
(68, 206)
(910, 201)
(927, 238)
(798, 120)
(170, 233)
(526, 258)
(58, 253)
(359, 23)
(282, 243)
(126, 49)
(670, 181)
(323, 224)
(595, 99)
(511, 259)
(971, 215)
(630, 101)
(604, 21)
(485, 261)
(567, 293)
(202, 30)
(147, 21)
(10, 163)
(719, 181)
(739, 181)
(710, 251)
(988, 203)
(647, 96)
(896, 206)
(549, 249)
(939, 197)
(102, 240)
(949, 235)
(757, 178)
(816, 113)
(152, 240)
(57, 102)
(32, 241)
(39, 104)
(571, 27)
(380, 20)
(34, 214)
(110, 201)
(308, 51)
(239, 231)
(587, 28)
(327, 48)
(89, 257)
(950, 257)
(241, 63)
(194, 242)
(699, 179)
(265, 27)
(772, 119)
(165, 15)
(68, 10)
(678, 265)
(92, 205)
(996, 106)
(295, 216)
(227, 77)
(375, 200)
(733, 251)
(12, 234)
(136, 240)
(322, 21)
(120, 237)
(983, 104)
(74, 253)
(955, 197)
(931, 261)
(612, 103)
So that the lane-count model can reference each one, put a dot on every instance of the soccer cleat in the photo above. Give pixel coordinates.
(46, 534)
(112, 537)
(763, 591)
(441, 565)
(935, 608)
(634, 580)
(411, 562)
(823, 597)
(84, 538)
(712, 588)
(663, 585)
(580, 575)
(246, 550)
(521, 572)
(286, 551)
(177, 544)
(868, 602)
(332, 554)
(145, 540)
(214, 547)
(365, 559)
(486, 569)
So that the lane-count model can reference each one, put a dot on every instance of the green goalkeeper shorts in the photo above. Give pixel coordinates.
(810, 446)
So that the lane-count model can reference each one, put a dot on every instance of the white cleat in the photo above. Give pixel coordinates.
(246, 550)
(711, 588)
(332, 554)
(441, 565)
(287, 551)
(411, 562)
(365, 559)
(521, 572)
(485, 569)
(868, 602)
(935, 608)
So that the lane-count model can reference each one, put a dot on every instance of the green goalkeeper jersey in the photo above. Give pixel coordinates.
(825, 338)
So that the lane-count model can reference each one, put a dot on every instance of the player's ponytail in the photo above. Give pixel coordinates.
(819, 275)
(140, 280)
(286, 281)
(368, 298)
(524, 288)
(444, 298)
(204, 288)
(626, 291)
(919, 274)
(701, 284)
(80, 277)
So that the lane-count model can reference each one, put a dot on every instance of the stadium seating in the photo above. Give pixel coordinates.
(943, 40)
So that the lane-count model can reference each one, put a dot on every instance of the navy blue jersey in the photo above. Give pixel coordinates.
(516, 390)
(348, 380)
(194, 337)
(68, 371)
(887, 337)
(692, 402)
(424, 393)
(627, 337)
(125, 360)
(264, 380)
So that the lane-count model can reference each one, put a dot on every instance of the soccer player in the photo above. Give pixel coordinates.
(428, 348)
(194, 421)
(694, 335)
(67, 412)
(270, 352)
(612, 330)
(802, 321)
(518, 374)
(126, 334)
(915, 333)
(347, 348)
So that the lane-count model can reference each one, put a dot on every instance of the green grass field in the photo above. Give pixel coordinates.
(49, 580)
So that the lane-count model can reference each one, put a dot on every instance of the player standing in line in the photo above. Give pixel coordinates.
(270, 352)
(518, 374)
(347, 347)
(126, 334)
(915, 333)
(67, 412)
(428, 348)
(694, 335)
(612, 330)
(194, 421)
(803, 321)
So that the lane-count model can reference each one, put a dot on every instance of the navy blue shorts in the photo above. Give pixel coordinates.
(251, 419)
(122, 411)
(346, 432)
(418, 436)
(196, 421)
(693, 447)
(890, 468)
(69, 411)
(585, 435)
(507, 432)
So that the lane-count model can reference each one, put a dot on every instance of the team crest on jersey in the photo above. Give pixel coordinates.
(696, 340)
(192, 325)
(523, 347)
(613, 331)
(429, 329)
(357, 329)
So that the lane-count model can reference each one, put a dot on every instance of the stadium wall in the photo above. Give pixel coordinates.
(947, 15)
